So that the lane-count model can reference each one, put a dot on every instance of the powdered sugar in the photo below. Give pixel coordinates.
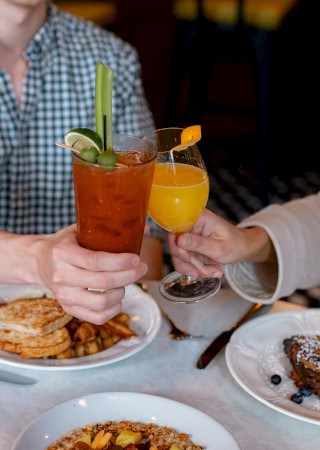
(274, 361)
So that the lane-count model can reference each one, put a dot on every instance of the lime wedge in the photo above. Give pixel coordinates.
(83, 137)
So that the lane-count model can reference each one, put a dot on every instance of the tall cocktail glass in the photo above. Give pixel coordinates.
(112, 202)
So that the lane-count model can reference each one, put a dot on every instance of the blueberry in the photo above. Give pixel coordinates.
(276, 379)
(305, 391)
(297, 398)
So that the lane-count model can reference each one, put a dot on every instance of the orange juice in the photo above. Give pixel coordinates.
(179, 194)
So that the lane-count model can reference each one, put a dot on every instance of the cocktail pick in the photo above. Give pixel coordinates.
(68, 147)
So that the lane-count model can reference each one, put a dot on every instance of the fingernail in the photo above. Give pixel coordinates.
(144, 268)
(135, 261)
(192, 275)
(184, 241)
(217, 274)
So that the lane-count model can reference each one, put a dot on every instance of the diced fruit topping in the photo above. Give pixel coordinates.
(128, 437)
(101, 440)
(86, 438)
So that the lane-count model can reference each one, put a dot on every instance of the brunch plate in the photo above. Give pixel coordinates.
(145, 320)
(100, 407)
(255, 353)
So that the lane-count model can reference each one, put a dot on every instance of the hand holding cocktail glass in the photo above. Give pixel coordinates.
(112, 179)
(179, 194)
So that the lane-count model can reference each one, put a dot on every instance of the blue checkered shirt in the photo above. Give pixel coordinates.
(36, 185)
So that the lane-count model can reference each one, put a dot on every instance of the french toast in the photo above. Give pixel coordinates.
(34, 316)
(304, 355)
(39, 328)
(38, 346)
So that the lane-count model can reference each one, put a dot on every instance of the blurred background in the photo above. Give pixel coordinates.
(247, 72)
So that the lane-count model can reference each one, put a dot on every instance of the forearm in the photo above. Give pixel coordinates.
(294, 231)
(152, 254)
(17, 263)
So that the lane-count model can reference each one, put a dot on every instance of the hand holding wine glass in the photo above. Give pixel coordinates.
(179, 195)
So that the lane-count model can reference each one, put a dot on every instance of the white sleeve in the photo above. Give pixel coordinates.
(294, 229)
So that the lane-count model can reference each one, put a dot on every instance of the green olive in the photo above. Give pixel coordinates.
(107, 158)
(89, 154)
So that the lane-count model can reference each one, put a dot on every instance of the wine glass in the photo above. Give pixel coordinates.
(179, 194)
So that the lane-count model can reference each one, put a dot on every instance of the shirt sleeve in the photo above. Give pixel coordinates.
(294, 229)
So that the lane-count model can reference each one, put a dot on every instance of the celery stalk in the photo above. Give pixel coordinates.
(103, 104)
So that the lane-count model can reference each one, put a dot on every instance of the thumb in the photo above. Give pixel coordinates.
(202, 245)
(190, 242)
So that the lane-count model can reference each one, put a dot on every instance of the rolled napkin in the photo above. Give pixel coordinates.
(206, 318)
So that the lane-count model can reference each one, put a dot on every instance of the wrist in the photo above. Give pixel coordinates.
(18, 261)
(259, 245)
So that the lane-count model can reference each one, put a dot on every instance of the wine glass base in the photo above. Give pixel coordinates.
(192, 292)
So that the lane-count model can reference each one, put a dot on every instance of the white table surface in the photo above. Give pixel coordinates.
(166, 368)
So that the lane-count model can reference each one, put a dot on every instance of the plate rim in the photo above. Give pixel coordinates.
(245, 328)
(107, 395)
(11, 359)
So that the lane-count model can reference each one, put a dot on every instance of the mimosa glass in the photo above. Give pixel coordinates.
(179, 194)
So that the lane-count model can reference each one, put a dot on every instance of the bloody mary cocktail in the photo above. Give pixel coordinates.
(111, 203)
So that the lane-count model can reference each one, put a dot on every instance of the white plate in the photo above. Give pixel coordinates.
(105, 406)
(255, 352)
(145, 321)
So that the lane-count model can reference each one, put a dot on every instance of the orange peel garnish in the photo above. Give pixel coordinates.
(191, 134)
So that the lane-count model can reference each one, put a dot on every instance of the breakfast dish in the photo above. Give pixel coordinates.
(124, 432)
(256, 352)
(145, 320)
(34, 327)
(125, 406)
(304, 355)
(76, 339)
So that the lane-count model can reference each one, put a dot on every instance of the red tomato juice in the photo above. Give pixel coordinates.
(111, 204)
